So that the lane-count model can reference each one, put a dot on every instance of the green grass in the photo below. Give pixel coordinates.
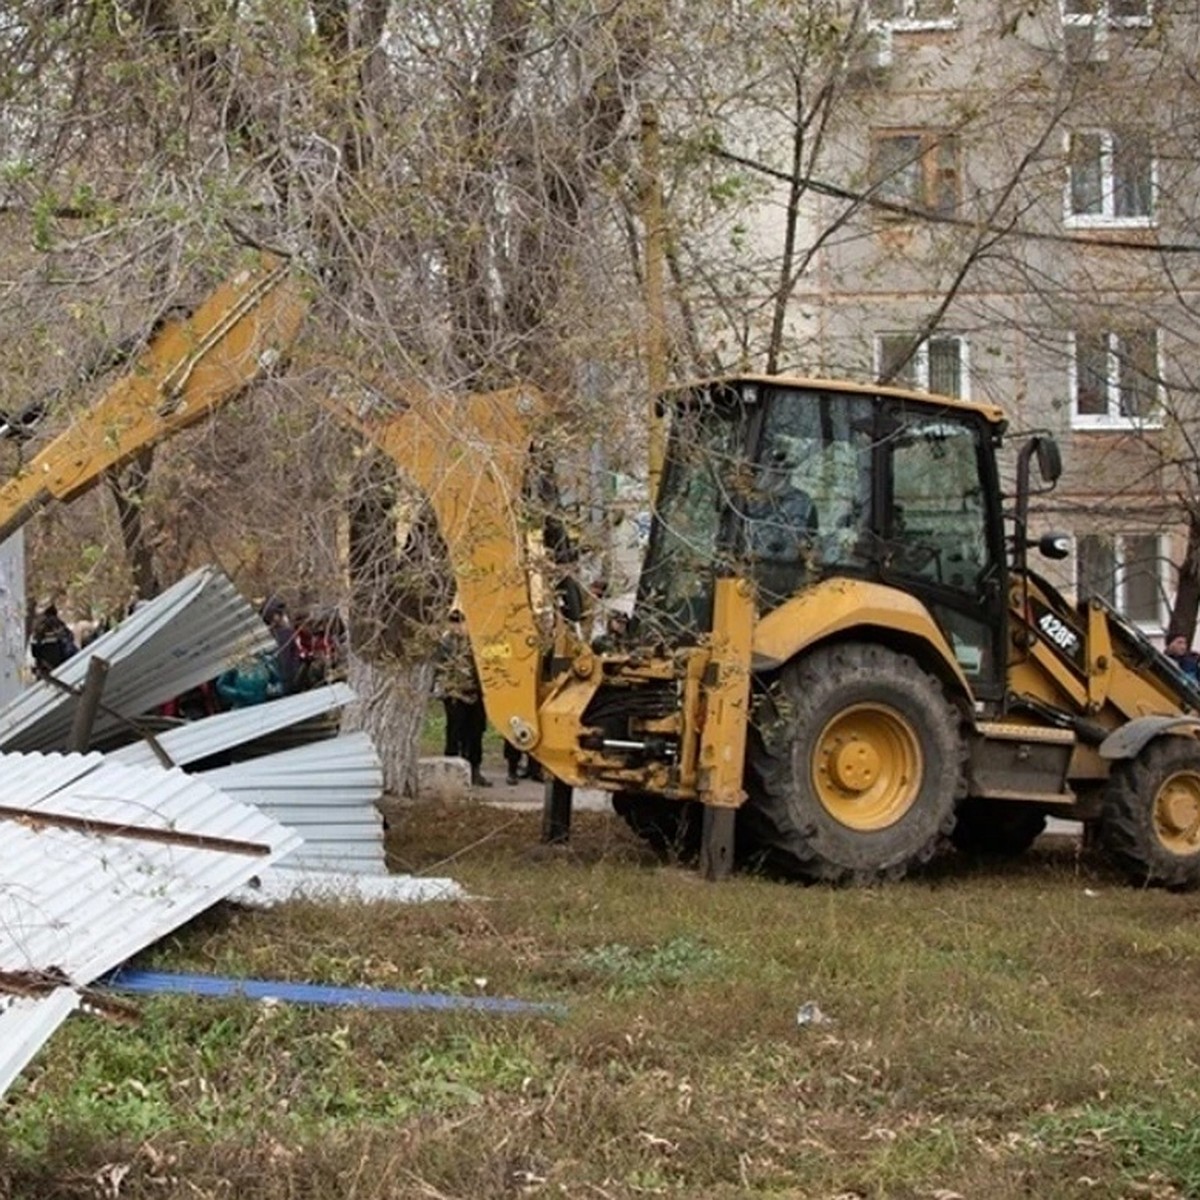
(1154, 1140)
(433, 731)
(433, 734)
(1019, 1030)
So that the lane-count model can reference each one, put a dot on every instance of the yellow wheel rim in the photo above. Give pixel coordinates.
(867, 767)
(1177, 813)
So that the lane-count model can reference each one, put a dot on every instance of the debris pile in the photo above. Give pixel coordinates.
(148, 821)
(327, 786)
(101, 860)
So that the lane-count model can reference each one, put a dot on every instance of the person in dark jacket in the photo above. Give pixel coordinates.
(456, 682)
(287, 650)
(52, 642)
(1183, 656)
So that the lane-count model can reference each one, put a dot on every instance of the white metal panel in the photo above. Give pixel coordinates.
(195, 630)
(281, 883)
(30, 778)
(26, 1022)
(328, 791)
(198, 740)
(102, 859)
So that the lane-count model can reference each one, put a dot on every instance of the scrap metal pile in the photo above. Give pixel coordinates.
(146, 823)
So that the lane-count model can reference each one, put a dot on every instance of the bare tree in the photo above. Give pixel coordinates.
(903, 206)
(438, 168)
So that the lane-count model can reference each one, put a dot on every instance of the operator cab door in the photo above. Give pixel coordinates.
(855, 484)
(941, 530)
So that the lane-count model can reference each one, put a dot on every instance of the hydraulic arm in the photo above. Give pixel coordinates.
(190, 367)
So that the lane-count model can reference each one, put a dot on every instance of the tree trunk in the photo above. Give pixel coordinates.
(395, 601)
(1187, 598)
(392, 701)
(128, 490)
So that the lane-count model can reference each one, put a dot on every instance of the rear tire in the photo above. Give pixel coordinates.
(854, 765)
(1150, 823)
(996, 828)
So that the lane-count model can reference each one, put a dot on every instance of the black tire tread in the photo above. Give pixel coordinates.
(771, 823)
(1127, 820)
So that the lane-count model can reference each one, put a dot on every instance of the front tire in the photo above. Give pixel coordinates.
(855, 762)
(1150, 823)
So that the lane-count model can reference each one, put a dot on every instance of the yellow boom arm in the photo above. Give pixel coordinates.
(190, 367)
(467, 454)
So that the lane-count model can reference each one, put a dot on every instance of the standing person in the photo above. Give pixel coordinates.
(318, 637)
(512, 760)
(52, 642)
(1183, 656)
(462, 697)
(287, 651)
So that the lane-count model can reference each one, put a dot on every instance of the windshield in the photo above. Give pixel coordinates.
(675, 590)
(809, 494)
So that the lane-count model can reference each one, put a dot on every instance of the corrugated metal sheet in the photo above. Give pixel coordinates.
(281, 883)
(201, 739)
(26, 1023)
(327, 792)
(101, 859)
(192, 632)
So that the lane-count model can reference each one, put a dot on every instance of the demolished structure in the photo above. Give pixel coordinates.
(108, 849)
(101, 860)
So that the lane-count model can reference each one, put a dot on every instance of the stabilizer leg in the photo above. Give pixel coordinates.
(716, 842)
(556, 811)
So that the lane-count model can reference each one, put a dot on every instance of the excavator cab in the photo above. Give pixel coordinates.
(789, 483)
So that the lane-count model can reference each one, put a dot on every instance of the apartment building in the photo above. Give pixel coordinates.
(1005, 210)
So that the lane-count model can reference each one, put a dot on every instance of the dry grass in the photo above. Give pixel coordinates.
(1021, 1030)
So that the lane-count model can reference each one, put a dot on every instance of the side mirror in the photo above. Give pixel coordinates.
(1054, 545)
(1049, 459)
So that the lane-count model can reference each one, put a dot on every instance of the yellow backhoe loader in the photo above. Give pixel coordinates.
(839, 657)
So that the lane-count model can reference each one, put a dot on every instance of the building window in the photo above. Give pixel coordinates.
(917, 169)
(939, 364)
(1128, 570)
(1086, 25)
(914, 14)
(1110, 178)
(1115, 379)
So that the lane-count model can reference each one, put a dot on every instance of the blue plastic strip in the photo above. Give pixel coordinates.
(125, 980)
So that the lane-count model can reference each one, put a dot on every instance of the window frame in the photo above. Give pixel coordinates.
(931, 141)
(1163, 575)
(908, 23)
(920, 361)
(1113, 419)
(1107, 218)
(1101, 22)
